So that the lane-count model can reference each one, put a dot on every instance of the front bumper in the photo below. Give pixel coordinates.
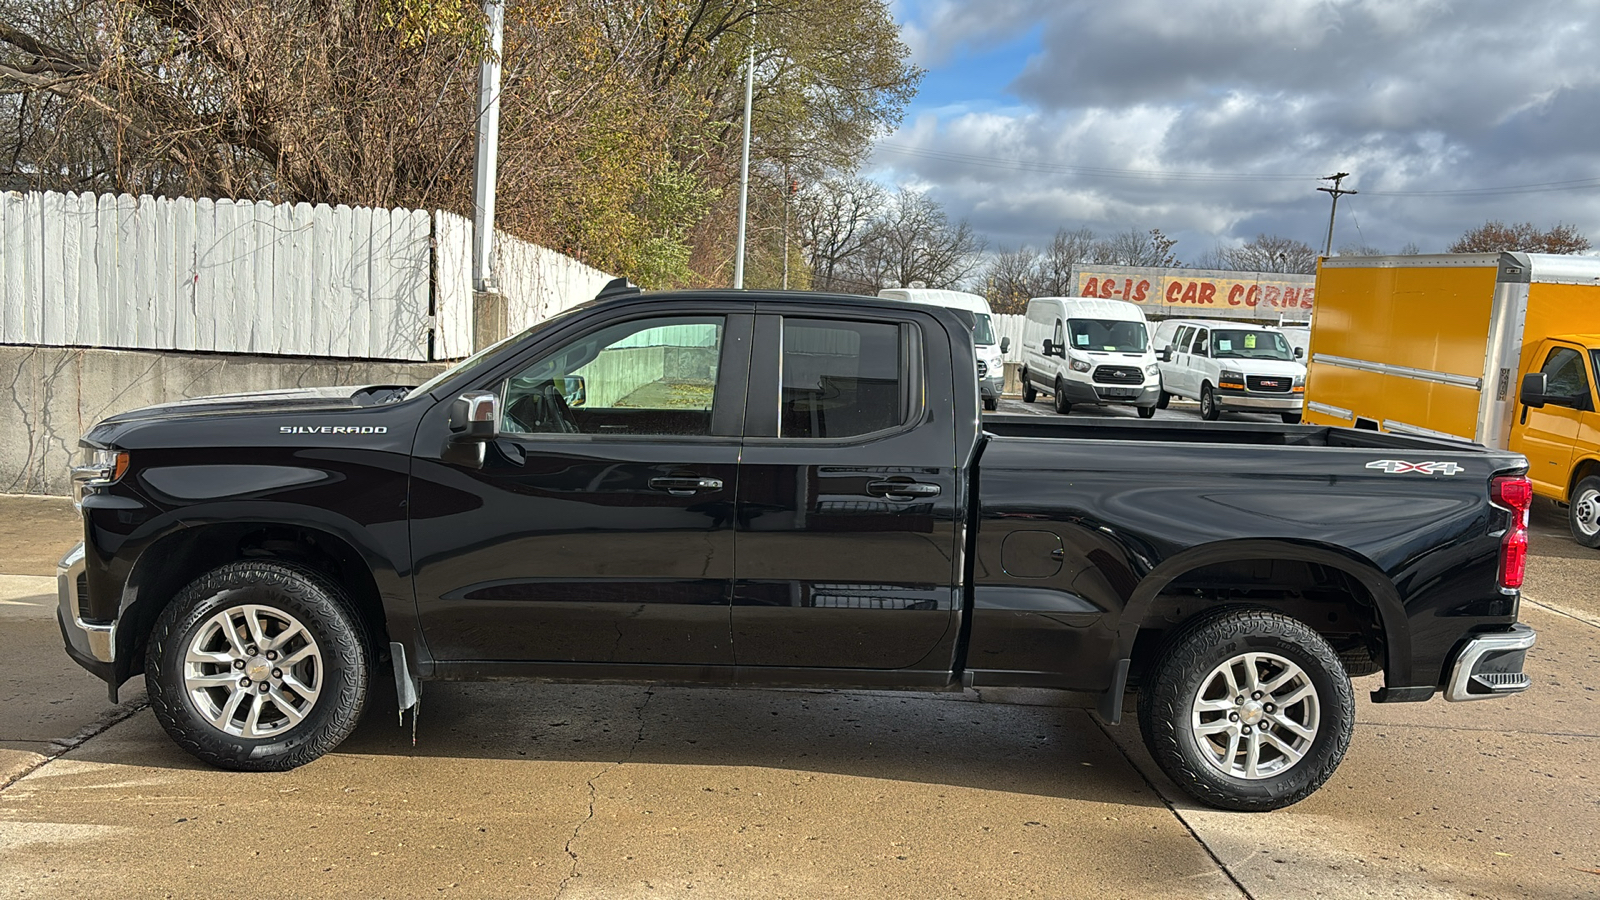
(1234, 399)
(989, 388)
(91, 644)
(1490, 665)
(1135, 395)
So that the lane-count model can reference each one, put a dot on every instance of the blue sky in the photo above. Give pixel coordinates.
(1212, 119)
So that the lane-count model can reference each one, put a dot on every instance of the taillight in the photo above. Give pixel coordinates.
(1515, 493)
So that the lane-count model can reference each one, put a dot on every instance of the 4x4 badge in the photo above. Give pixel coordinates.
(1400, 467)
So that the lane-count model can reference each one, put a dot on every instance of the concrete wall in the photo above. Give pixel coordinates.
(49, 396)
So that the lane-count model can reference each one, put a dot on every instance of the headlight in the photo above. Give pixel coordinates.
(95, 466)
(1079, 365)
(1299, 384)
(1234, 380)
(1152, 370)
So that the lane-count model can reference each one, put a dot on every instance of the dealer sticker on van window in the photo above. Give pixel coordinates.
(1401, 467)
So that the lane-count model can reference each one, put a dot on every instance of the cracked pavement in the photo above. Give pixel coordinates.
(580, 791)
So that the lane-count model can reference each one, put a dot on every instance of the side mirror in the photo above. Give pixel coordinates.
(1534, 386)
(1166, 354)
(1005, 345)
(573, 390)
(475, 416)
(1299, 353)
(1049, 347)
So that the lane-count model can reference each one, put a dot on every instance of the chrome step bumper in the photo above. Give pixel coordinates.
(1490, 665)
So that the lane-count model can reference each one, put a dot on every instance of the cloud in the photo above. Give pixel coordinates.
(1219, 103)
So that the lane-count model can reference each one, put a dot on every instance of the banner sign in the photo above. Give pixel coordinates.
(1269, 296)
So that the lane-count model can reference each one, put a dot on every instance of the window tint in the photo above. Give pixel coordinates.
(1200, 342)
(1566, 377)
(840, 379)
(651, 377)
(1060, 337)
(1180, 344)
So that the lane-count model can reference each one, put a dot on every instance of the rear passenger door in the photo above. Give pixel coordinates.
(846, 544)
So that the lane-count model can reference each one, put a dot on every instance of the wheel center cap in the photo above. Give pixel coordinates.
(258, 669)
(1251, 712)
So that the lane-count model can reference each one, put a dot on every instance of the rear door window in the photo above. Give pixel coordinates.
(840, 378)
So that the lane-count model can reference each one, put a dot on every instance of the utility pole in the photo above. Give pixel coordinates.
(744, 169)
(1334, 192)
(488, 308)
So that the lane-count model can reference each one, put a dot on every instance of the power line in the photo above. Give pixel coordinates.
(1023, 165)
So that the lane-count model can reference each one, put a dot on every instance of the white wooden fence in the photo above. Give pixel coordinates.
(230, 276)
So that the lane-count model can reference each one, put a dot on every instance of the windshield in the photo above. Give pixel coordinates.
(982, 330)
(490, 352)
(1250, 345)
(1107, 335)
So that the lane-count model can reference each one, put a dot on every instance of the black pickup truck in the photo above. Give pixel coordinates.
(742, 488)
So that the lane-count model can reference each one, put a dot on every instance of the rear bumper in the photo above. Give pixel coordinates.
(1490, 665)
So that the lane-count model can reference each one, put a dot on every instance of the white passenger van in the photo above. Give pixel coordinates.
(1231, 365)
(991, 366)
(1081, 350)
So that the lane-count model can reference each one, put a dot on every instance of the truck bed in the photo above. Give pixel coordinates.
(1245, 433)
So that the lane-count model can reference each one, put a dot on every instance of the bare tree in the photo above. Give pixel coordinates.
(914, 241)
(836, 217)
(1136, 248)
(1012, 278)
(1267, 253)
(1067, 249)
(1360, 250)
(1495, 236)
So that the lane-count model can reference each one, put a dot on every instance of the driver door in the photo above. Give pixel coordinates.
(1548, 434)
(599, 526)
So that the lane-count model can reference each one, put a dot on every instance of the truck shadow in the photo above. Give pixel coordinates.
(950, 740)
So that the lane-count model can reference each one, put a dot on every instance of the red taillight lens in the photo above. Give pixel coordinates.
(1513, 558)
(1513, 492)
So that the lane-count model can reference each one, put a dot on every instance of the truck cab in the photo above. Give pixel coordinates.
(1558, 429)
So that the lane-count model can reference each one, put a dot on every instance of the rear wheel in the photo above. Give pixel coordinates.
(1291, 418)
(258, 665)
(1029, 393)
(1146, 412)
(1583, 513)
(1248, 709)
(1062, 406)
(1209, 410)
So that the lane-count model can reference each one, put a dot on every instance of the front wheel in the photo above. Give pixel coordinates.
(1583, 513)
(991, 404)
(1209, 410)
(1062, 406)
(1291, 418)
(1029, 393)
(1146, 412)
(259, 666)
(1248, 709)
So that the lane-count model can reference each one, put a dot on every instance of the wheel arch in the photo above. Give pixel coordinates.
(1582, 469)
(180, 556)
(1392, 624)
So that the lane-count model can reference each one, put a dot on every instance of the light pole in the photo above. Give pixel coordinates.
(483, 279)
(744, 167)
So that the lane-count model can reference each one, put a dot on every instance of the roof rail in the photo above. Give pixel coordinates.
(617, 287)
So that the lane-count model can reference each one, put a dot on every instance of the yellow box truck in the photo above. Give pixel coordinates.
(1497, 348)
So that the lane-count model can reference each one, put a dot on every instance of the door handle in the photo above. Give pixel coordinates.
(902, 490)
(684, 486)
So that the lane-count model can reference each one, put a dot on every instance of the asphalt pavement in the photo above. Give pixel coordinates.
(519, 790)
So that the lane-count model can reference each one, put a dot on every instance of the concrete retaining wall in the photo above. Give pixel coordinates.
(49, 396)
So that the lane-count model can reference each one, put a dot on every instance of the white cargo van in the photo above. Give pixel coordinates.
(991, 367)
(1231, 365)
(1082, 350)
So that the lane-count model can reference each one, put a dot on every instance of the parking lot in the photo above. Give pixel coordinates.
(520, 790)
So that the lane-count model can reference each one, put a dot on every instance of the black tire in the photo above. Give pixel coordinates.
(1146, 412)
(1191, 662)
(1162, 399)
(1029, 392)
(1583, 513)
(337, 667)
(1291, 418)
(1062, 406)
(991, 404)
(1209, 410)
